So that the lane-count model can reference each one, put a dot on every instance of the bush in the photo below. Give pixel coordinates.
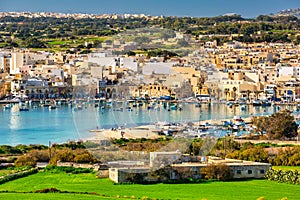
(40, 155)
(48, 190)
(69, 155)
(289, 176)
(72, 170)
(25, 160)
(217, 171)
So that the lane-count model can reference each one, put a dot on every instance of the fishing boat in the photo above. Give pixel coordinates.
(238, 123)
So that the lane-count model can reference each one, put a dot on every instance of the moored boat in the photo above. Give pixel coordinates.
(256, 103)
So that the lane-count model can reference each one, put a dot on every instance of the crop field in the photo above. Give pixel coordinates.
(5, 172)
(11, 170)
(87, 186)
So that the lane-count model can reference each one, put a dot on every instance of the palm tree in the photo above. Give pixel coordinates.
(234, 92)
(200, 89)
(256, 94)
(170, 91)
(226, 91)
(248, 92)
(274, 93)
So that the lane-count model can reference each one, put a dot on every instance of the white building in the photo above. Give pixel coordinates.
(284, 70)
(158, 68)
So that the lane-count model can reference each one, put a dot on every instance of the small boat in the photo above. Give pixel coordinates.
(109, 104)
(77, 108)
(256, 103)
(7, 106)
(173, 107)
(23, 109)
(52, 107)
(230, 103)
(130, 101)
(118, 109)
(180, 108)
(140, 103)
(243, 107)
(238, 123)
(265, 103)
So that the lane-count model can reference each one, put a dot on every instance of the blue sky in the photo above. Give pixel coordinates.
(247, 8)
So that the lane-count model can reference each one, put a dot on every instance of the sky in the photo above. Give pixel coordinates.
(196, 8)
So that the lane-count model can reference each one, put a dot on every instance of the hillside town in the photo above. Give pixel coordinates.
(231, 71)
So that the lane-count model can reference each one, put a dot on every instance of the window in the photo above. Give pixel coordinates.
(238, 172)
(249, 171)
(262, 171)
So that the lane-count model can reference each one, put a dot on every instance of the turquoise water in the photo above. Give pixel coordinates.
(41, 125)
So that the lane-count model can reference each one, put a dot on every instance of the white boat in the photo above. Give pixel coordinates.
(256, 103)
(243, 107)
(7, 106)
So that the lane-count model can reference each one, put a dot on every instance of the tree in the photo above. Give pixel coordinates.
(200, 89)
(280, 125)
(25, 160)
(86, 157)
(234, 89)
(220, 172)
(248, 92)
(260, 124)
(34, 43)
(274, 92)
(226, 91)
(256, 94)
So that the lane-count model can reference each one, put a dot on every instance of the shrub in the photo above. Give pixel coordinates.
(289, 176)
(217, 171)
(69, 155)
(72, 170)
(25, 160)
(48, 190)
(40, 155)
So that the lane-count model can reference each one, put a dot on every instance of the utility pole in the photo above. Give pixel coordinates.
(50, 150)
(224, 142)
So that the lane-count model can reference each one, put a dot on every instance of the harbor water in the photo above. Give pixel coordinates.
(40, 125)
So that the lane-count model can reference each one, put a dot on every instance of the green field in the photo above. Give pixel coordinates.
(104, 188)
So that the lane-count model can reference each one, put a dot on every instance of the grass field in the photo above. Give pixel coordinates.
(105, 189)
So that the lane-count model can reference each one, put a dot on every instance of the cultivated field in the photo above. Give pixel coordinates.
(87, 186)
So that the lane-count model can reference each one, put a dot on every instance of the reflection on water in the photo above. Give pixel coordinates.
(14, 121)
